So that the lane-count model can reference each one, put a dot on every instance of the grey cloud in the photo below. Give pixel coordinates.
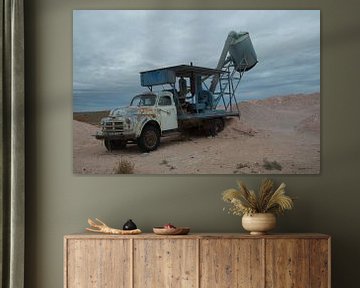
(112, 47)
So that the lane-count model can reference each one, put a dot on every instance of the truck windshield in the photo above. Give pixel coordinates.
(143, 100)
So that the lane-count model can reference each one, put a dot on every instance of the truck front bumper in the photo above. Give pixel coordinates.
(114, 135)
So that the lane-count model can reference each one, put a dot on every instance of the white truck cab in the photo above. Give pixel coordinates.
(147, 117)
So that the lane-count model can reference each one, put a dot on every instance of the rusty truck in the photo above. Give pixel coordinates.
(180, 97)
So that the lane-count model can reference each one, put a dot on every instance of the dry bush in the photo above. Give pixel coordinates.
(124, 166)
(272, 165)
(242, 165)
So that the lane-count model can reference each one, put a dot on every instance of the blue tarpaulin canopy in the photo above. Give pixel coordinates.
(168, 75)
(157, 77)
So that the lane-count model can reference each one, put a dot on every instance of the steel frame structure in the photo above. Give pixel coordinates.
(228, 83)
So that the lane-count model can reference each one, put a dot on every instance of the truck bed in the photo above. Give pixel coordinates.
(209, 115)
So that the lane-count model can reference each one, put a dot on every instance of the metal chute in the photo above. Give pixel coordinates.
(238, 53)
(242, 51)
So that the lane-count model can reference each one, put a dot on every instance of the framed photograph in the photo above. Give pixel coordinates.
(196, 92)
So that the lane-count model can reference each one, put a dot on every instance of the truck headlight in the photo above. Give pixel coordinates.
(129, 123)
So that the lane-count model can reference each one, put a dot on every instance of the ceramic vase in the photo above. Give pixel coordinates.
(259, 223)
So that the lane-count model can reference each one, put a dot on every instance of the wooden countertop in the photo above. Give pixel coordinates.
(88, 235)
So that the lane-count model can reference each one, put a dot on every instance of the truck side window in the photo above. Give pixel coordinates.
(165, 101)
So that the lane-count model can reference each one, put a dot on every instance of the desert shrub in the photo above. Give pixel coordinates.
(242, 165)
(272, 165)
(124, 166)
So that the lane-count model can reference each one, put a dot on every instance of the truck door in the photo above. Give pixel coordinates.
(168, 114)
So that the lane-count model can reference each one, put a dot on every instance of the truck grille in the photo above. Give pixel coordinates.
(114, 126)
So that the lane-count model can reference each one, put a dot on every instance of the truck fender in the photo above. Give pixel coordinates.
(144, 122)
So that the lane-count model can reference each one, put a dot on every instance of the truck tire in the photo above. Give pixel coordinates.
(209, 127)
(212, 128)
(108, 145)
(149, 139)
(219, 125)
(114, 144)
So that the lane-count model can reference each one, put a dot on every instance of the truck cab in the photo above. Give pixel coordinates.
(148, 116)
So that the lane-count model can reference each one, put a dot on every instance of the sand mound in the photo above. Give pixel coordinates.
(294, 100)
(282, 129)
(309, 124)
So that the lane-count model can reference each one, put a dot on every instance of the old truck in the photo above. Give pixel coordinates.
(189, 96)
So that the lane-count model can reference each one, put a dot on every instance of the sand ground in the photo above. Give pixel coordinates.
(285, 129)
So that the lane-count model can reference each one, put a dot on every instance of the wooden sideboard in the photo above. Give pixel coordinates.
(197, 260)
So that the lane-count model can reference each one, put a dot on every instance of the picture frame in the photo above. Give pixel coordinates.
(271, 126)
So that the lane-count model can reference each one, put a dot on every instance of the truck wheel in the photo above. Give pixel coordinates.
(120, 144)
(210, 127)
(219, 125)
(114, 144)
(149, 139)
(108, 145)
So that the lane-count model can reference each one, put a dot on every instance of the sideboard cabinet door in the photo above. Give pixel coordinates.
(231, 263)
(297, 263)
(320, 263)
(98, 263)
(170, 263)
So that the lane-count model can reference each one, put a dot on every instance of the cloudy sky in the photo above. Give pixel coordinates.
(112, 47)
